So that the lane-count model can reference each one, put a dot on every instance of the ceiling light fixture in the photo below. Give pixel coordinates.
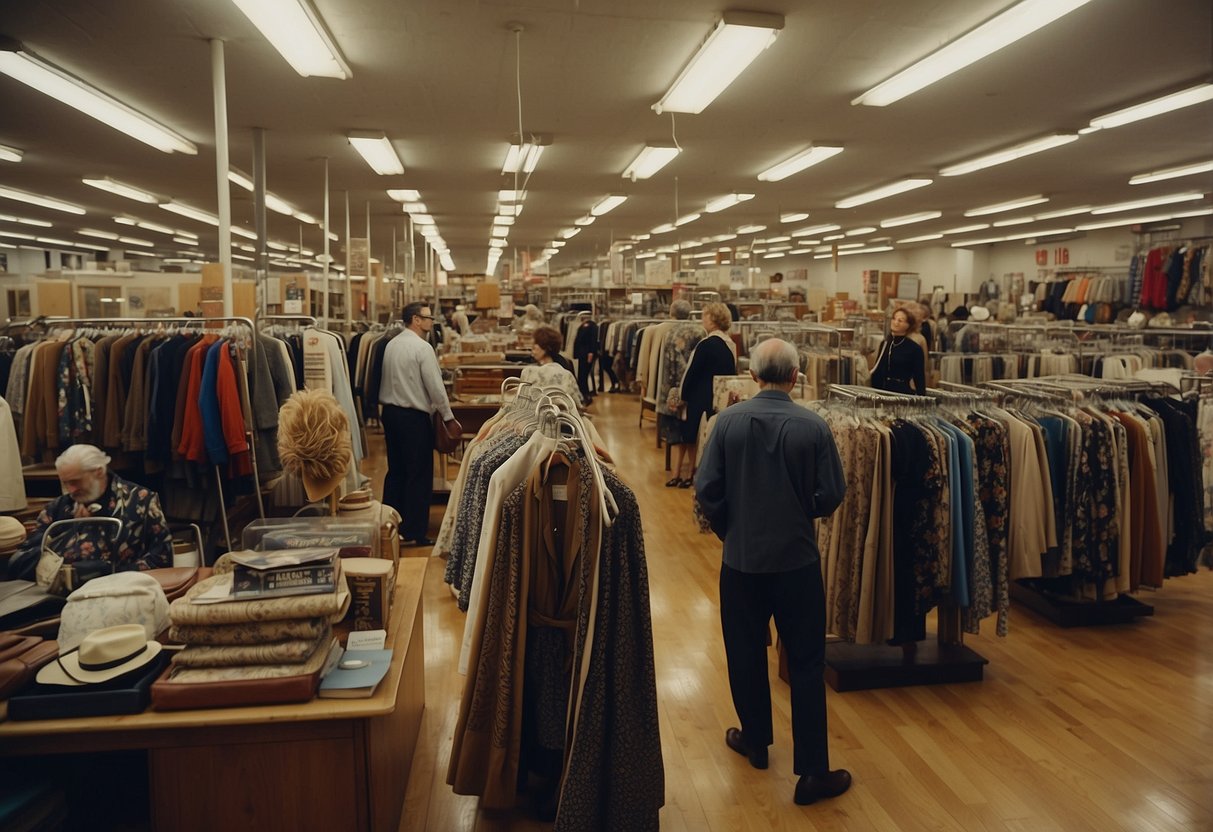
(856, 232)
(240, 231)
(414, 208)
(967, 229)
(569, 233)
(307, 218)
(588, 219)
(686, 218)
(1169, 199)
(607, 204)
(1175, 101)
(727, 201)
(653, 158)
(796, 217)
(41, 201)
(869, 250)
(830, 237)
(751, 229)
(375, 147)
(239, 178)
(910, 219)
(1010, 154)
(737, 40)
(152, 226)
(135, 241)
(404, 194)
(511, 196)
(422, 219)
(1014, 221)
(1063, 212)
(278, 205)
(882, 192)
(500, 231)
(10, 154)
(102, 235)
(297, 31)
(522, 158)
(805, 159)
(24, 221)
(664, 228)
(1002, 30)
(1011, 205)
(50, 80)
(1172, 173)
(814, 230)
(920, 239)
(500, 220)
(187, 211)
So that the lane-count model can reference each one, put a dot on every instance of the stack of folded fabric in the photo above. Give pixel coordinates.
(12, 533)
(246, 652)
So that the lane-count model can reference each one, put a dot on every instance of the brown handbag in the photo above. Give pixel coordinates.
(175, 580)
(446, 441)
(20, 663)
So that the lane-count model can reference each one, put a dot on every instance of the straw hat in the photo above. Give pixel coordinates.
(104, 654)
(979, 313)
(314, 441)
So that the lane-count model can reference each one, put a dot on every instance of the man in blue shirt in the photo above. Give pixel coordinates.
(769, 468)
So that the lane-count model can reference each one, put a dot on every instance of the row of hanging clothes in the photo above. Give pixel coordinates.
(365, 360)
(12, 481)
(545, 545)
(1169, 276)
(1093, 295)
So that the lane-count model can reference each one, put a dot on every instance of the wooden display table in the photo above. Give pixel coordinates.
(324, 764)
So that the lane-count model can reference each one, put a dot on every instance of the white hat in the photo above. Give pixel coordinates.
(461, 308)
(12, 532)
(103, 655)
(121, 598)
(979, 313)
(1138, 318)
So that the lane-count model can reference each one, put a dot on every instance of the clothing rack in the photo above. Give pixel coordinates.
(872, 666)
(305, 320)
(128, 323)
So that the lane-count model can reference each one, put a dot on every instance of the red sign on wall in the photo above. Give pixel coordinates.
(1042, 257)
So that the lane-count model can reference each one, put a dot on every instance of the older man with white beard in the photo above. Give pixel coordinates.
(91, 490)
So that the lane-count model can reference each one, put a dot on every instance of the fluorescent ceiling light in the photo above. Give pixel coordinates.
(131, 221)
(41, 201)
(18, 235)
(774, 256)
(238, 178)
(588, 219)
(135, 241)
(967, 229)
(52, 81)
(103, 235)
(664, 228)
(909, 219)
(187, 211)
(845, 246)
(1063, 212)
(1095, 226)
(751, 229)
(1014, 221)
(920, 239)
(1184, 98)
(278, 205)
(870, 250)
(55, 241)
(522, 158)
(645, 255)
(796, 217)
(720, 238)
(422, 219)
(404, 194)
(185, 241)
(984, 241)
(812, 230)
(797, 163)
(558, 244)
(307, 218)
(882, 192)
(830, 237)
(727, 201)
(789, 248)
(24, 221)
(1002, 30)
(640, 237)
(798, 251)
(377, 150)
(737, 40)
(1172, 173)
(607, 204)
(686, 218)
(1147, 203)
(10, 154)
(1010, 154)
(499, 231)
(500, 220)
(999, 207)
(414, 208)
(297, 31)
(511, 196)
(152, 226)
(650, 160)
(569, 233)
(498, 243)
(855, 232)
(240, 231)
(277, 246)
(781, 239)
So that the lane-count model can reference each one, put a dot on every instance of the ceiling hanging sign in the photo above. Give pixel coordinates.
(658, 272)
(359, 264)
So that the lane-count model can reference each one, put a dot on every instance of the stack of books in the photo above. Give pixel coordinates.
(285, 572)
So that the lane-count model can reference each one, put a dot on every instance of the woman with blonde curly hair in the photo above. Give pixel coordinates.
(715, 355)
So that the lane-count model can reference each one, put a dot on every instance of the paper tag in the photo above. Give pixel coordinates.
(366, 640)
(560, 492)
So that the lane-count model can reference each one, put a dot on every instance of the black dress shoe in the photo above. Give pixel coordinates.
(734, 740)
(421, 542)
(811, 788)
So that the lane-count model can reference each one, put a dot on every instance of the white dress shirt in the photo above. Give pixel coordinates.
(411, 377)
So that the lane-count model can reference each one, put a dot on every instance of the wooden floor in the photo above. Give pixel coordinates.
(1082, 729)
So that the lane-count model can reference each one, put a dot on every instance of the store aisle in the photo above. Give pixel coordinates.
(1099, 729)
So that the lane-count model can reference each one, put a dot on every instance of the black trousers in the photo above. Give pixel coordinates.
(797, 601)
(606, 365)
(585, 378)
(409, 483)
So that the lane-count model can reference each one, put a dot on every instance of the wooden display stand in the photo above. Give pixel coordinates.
(1065, 613)
(323, 764)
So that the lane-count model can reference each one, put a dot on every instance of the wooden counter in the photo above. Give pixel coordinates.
(328, 763)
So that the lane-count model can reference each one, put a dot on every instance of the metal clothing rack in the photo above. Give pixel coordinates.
(133, 323)
(870, 666)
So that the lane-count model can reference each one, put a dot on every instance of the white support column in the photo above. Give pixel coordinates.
(219, 88)
(324, 301)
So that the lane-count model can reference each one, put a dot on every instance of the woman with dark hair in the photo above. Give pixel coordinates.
(713, 356)
(900, 364)
(551, 369)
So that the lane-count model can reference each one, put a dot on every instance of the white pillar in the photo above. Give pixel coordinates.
(219, 85)
(324, 301)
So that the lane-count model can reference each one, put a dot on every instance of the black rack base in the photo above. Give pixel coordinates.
(872, 666)
(1064, 613)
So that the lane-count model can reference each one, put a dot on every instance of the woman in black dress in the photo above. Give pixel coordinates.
(713, 356)
(900, 365)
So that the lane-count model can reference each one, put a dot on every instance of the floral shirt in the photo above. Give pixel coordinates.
(143, 543)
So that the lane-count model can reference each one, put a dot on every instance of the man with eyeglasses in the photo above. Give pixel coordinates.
(410, 391)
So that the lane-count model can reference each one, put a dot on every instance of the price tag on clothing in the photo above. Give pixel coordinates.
(366, 640)
(561, 493)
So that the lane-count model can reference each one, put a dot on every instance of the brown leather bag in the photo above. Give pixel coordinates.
(20, 660)
(175, 580)
(446, 441)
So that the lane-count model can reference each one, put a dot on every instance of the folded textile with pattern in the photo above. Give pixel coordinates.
(330, 605)
(190, 675)
(249, 632)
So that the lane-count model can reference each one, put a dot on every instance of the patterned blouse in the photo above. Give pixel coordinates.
(143, 543)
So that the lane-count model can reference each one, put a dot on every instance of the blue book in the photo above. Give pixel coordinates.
(356, 675)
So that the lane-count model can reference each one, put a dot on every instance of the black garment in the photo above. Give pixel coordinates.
(585, 350)
(712, 357)
(585, 378)
(564, 362)
(899, 365)
(797, 601)
(910, 457)
(409, 483)
(606, 364)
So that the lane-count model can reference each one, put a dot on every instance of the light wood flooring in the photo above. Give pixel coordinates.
(1083, 729)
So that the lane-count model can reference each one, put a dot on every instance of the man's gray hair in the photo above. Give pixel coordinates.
(680, 310)
(774, 361)
(82, 458)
